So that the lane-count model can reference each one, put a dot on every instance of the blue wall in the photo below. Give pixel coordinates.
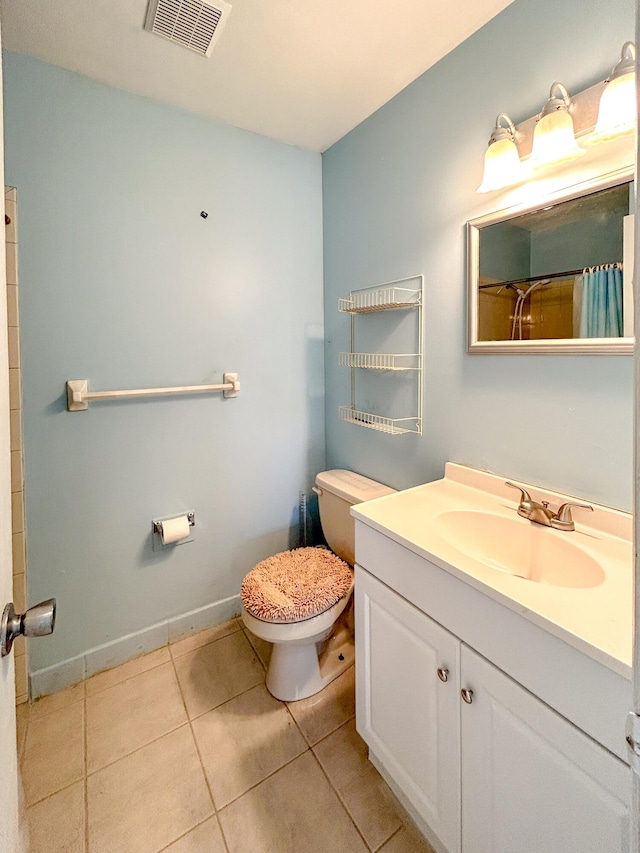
(494, 262)
(122, 282)
(598, 240)
(397, 193)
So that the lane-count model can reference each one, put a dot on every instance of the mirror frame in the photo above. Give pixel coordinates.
(555, 346)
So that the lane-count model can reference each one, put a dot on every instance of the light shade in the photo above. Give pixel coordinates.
(554, 138)
(617, 112)
(502, 164)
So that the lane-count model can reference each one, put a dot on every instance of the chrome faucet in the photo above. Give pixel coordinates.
(540, 513)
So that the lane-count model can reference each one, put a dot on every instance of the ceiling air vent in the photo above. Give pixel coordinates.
(191, 23)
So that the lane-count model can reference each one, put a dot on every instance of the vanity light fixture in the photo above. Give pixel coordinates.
(617, 112)
(554, 138)
(502, 164)
(603, 112)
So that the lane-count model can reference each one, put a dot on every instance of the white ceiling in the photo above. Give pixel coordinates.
(302, 71)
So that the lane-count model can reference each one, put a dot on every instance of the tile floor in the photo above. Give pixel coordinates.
(185, 751)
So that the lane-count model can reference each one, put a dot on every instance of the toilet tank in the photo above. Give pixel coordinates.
(337, 491)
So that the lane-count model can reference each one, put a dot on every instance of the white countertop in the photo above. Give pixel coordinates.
(597, 620)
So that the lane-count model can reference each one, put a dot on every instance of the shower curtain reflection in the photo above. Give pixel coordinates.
(516, 325)
(601, 302)
(540, 309)
(571, 305)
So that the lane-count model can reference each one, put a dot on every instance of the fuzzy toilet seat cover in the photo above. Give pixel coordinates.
(295, 585)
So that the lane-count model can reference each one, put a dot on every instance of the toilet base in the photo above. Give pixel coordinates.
(299, 671)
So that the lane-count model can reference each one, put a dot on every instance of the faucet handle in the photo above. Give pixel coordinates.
(525, 496)
(528, 506)
(563, 519)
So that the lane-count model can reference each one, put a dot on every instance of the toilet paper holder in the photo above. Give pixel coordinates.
(157, 523)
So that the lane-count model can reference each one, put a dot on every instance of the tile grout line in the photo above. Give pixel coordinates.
(216, 810)
(67, 785)
(53, 793)
(137, 749)
(197, 648)
(331, 732)
(191, 721)
(24, 739)
(198, 753)
(222, 704)
(345, 809)
(53, 710)
(188, 832)
(128, 678)
(343, 800)
(393, 835)
(226, 702)
(297, 725)
(257, 784)
(402, 822)
(261, 684)
(269, 776)
(110, 763)
(309, 747)
(306, 739)
(187, 721)
(248, 635)
(231, 698)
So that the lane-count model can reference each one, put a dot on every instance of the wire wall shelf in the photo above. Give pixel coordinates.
(380, 298)
(407, 293)
(380, 360)
(391, 426)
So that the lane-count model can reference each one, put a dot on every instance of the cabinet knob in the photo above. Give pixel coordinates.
(467, 695)
(443, 674)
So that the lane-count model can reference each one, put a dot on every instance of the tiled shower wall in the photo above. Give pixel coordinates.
(15, 405)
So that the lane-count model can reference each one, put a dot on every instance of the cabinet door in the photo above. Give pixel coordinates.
(408, 716)
(531, 781)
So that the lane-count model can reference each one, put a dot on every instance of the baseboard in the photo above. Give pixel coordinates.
(56, 677)
(68, 672)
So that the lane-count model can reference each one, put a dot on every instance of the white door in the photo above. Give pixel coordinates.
(406, 711)
(531, 781)
(9, 774)
(635, 801)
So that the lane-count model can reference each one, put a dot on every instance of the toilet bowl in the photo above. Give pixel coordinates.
(296, 599)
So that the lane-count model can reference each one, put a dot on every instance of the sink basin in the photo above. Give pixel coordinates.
(519, 548)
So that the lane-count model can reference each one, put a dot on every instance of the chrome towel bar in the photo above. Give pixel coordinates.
(79, 396)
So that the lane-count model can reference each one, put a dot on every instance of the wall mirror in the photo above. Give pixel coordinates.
(556, 276)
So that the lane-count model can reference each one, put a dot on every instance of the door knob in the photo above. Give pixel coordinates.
(38, 621)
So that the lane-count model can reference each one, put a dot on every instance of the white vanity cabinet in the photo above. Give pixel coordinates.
(531, 781)
(408, 674)
(501, 773)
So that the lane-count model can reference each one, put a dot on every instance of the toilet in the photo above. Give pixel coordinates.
(295, 598)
